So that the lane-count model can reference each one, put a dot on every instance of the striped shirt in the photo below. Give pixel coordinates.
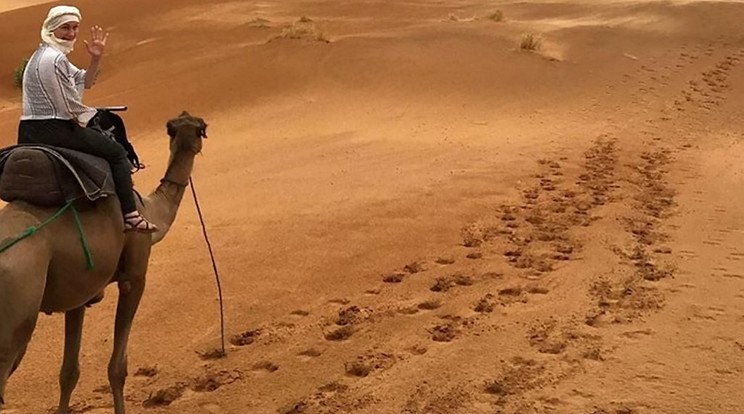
(53, 88)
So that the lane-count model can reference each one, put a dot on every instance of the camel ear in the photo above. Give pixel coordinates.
(202, 131)
(171, 129)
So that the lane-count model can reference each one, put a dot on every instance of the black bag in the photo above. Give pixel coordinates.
(111, 125)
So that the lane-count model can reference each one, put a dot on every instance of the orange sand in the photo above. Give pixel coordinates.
(496, 231)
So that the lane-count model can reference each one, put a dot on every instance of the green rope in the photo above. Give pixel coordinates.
(33, 229)
(83, 240)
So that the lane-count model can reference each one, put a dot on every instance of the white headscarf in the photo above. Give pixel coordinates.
(58, 16)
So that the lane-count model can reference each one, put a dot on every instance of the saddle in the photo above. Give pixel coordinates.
(52, 176)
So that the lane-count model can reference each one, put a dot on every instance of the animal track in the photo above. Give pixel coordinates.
(267, 366)
(707, 91)
(623, 301)
(207, 382)
(517, 377)
(366, 364)
(550, 338)
(340, 334)
(443, 284)
(444, 332)
(245, 338)
(536, 233)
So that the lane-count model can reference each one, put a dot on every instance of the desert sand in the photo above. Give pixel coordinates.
(411, 214)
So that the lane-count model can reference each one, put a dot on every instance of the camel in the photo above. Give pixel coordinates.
(47, 271)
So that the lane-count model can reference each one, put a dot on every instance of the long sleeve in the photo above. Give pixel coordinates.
(71, 81)
(52, 88)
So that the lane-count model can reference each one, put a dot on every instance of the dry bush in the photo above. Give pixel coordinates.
(529, 43)
(18, 74)
(259, 22)
(496, 16)
(303, 29)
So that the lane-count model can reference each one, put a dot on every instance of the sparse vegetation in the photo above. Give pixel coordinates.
(530, 43)
(303, 29)
(453, 18)
(259, 22)
(496, 16)
(18, 73)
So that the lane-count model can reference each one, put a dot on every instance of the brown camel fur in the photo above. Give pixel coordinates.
(47, 271)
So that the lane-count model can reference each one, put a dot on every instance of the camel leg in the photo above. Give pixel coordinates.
(117, 370)
(70, 372)
(18, 360)
(22, 282)
(13, 350)
(131, 281)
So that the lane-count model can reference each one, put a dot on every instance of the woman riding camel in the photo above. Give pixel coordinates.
(53, 110)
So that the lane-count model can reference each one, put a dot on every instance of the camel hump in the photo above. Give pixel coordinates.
(52, 176)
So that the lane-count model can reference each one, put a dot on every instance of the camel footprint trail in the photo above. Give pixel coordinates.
(517, 250)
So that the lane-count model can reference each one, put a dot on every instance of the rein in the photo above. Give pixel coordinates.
(223, 353)
(222, 350)
(8, 243)
(176, 183)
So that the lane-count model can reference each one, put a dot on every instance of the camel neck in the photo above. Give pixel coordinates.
(179, 170)
(162, 204)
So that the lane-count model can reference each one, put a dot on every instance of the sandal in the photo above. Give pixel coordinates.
(136, 222)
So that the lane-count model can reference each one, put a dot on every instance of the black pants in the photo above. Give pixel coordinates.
(68, 134)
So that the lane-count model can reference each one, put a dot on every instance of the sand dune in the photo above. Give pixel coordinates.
(412, 215)
(18, 4)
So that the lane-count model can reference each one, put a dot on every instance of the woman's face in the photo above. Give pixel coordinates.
(67, 31)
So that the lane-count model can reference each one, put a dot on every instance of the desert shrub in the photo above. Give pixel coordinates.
(529, 42)
(304, 28)
(497, 16)
(18, 73)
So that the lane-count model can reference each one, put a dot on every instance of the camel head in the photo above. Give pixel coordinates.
(186, 133)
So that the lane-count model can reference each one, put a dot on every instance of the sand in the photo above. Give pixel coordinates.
(410, 214)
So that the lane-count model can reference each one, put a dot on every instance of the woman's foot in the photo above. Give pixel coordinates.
(134, 221)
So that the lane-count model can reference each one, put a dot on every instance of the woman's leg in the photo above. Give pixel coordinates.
(68, 135)
(99, 145)
(92, 142)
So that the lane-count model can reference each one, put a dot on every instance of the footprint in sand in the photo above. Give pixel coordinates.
(430, 304)
(309, 354)
(265, 367)
(445, 283)
(396, 277)
(637, 334)
(366, 364)
(207, 382)
(445, 261)
(340, 334)
(445, 332)
(211, 408)
(299, 313)
(245, 338)
(88, 410)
